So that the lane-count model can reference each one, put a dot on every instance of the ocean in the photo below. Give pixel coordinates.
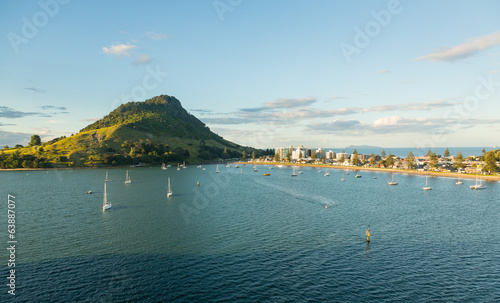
(244, 237)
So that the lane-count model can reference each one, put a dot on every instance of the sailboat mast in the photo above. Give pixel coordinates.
(105, 200)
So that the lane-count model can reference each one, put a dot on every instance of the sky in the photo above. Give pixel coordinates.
(259, 73)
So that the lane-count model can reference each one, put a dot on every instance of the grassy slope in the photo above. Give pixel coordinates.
(79, 147)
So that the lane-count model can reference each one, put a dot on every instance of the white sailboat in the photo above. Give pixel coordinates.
(358, 175)
(105, 203)
(478, 186)
(217, 171)
(178, 166)
(127, 178)
(107, 180)
(426, 187)
(458, 181)
(294, 174)
(327, 174)
(163, 166)
(241, 170)
(393, 182)
(169, 193)
(342, 177)
(184, 164)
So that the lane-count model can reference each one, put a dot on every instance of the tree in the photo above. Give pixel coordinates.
(429, 153)
(300, 156)
(5, 146)
(313, 156)
(342, 159)
(372, 159)
(389, 161)
(434, 160)
(276, 157)
(446, 153)
(410, 160)
(225, 155)
(383, 154)
(35, 140)
(490, 164)
(243, 156)
(253, 156)
(459, 161)
(355, 159)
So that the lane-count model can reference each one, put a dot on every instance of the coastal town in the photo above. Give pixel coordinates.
(487, 163)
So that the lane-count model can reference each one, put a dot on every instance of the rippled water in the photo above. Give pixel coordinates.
(246, 237)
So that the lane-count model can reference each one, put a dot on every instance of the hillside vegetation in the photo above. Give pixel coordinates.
(151, 132)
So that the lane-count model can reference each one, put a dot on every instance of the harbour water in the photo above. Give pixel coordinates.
(245, 237)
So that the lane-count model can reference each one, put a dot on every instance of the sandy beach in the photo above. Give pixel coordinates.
(385, 170)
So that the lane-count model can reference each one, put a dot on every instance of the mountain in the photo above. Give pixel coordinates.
(154, 131)
(160, 116)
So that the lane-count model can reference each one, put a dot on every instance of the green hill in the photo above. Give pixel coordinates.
(150, 132)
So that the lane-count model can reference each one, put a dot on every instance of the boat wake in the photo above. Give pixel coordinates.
(324, 201)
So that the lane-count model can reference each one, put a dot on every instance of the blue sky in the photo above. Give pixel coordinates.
(260, 73)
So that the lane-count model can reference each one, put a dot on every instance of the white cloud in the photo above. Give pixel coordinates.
(392, 120)
(156, 36)
(282, 103)
(41, 131)
(396, 125)
(264, 115)
(119, 50)
(464, 50)
(383, 71)
(419, 106)
(144, 59)
(330, 99)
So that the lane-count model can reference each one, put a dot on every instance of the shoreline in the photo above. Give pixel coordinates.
(100, 167)
(353, 168)
(386, 170)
